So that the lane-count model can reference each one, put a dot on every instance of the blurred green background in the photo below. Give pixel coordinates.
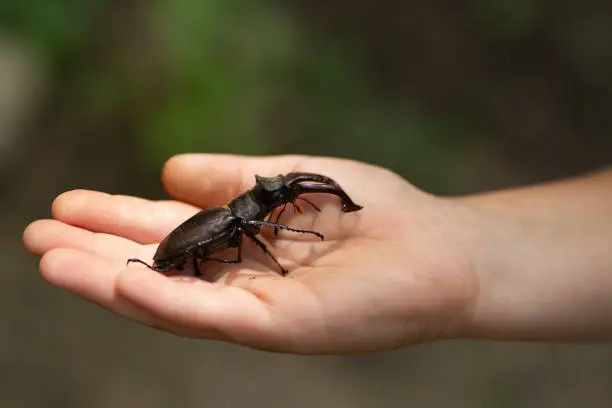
(457, 97)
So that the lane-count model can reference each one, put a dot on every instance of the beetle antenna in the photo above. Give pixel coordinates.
(284, 227)
(140, 262)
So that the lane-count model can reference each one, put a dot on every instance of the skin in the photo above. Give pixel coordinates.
(531, 264)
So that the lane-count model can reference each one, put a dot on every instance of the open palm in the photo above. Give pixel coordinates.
(389, 275)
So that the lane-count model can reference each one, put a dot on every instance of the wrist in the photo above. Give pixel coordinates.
(540, 276)
(490, 242)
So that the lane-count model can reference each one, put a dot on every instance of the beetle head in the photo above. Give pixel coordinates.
(283, 189)
(270, 184)
(273, 191)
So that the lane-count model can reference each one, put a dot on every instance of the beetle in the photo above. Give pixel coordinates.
(219, 228)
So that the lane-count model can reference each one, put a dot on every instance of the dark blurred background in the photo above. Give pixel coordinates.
(457, 96)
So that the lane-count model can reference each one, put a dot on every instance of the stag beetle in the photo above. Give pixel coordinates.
(219, 228)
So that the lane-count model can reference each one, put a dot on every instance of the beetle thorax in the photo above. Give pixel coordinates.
(247, 207)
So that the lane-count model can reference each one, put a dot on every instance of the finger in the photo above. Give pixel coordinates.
(226, 311)
(93, 278)
(45, 235)
(207, 180)
(137, 219)
(213, 179)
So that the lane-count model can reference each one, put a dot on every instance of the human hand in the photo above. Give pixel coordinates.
(390, 275)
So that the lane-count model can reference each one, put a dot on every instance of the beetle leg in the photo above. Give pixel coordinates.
(269, 216)
(284, 227)
(316, 207)
(229, 261)
(265, 249)
(297, 208)
(239, 256)
(280, 213)
(277, 218)
(196, 267)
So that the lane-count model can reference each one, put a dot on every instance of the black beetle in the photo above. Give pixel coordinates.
(219, 228)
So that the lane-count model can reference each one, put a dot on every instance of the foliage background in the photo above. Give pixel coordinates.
(458, 97)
